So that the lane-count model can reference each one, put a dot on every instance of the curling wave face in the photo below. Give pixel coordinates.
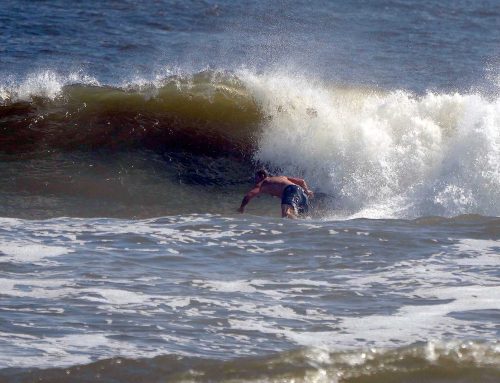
(208, 112)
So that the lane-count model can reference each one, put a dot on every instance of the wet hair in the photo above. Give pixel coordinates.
(262, 173)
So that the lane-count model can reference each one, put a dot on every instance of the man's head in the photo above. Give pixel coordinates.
(261, 175)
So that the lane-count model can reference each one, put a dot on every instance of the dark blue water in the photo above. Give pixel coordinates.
(391, 44)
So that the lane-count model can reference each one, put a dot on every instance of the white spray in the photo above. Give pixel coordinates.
(41, 84)
(383, 154)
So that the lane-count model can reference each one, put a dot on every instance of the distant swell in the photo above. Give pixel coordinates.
(426, 363)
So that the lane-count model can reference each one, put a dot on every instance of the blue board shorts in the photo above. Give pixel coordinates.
(295, 196)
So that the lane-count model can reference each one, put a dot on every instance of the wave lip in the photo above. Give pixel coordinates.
(424, 362)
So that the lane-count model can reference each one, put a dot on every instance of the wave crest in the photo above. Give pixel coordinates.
(367, 152)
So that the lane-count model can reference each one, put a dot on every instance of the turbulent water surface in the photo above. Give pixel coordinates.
(129, 133)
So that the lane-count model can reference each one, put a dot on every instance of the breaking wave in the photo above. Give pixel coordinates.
(367, 152)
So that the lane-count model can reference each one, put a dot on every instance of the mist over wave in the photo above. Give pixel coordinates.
(368, 152)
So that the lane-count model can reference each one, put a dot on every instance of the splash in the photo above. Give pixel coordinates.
(43, 84)
(383, 154)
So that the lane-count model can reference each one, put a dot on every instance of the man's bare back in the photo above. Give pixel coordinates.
(274, 185)
(279, 186)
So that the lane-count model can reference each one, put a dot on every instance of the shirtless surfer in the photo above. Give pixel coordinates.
(293, 192)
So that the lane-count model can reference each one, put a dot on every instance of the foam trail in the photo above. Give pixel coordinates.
(383, 154)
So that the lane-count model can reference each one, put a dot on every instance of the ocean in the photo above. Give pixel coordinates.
(130, 131)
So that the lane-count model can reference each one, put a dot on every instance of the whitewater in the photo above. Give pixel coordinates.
(384, 154)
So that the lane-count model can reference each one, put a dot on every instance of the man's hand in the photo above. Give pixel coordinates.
(310, 193)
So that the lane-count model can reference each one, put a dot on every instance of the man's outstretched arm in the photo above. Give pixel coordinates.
(246, 199)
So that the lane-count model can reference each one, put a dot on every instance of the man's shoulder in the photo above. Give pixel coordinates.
(276, 178)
